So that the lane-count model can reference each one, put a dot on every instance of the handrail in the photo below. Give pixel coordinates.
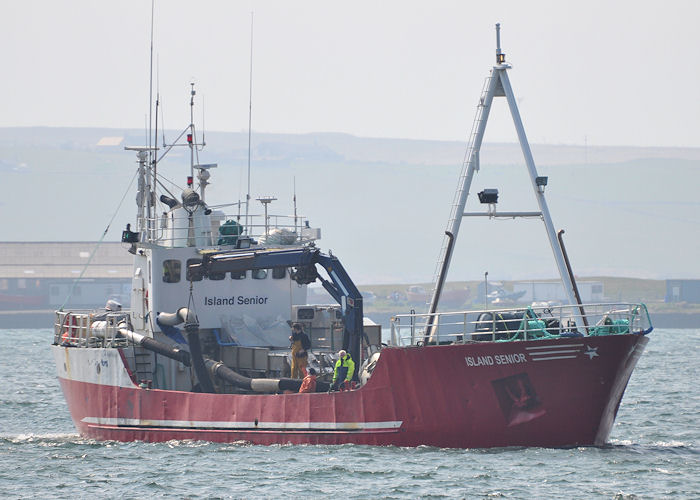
(174, 231)
(522, 323)
(78, 328)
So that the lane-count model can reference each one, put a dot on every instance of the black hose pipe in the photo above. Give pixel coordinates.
(169, 352)
(205, 383)
(172, 352)
(223, 372)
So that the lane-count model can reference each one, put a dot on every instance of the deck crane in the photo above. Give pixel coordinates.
(304, 262)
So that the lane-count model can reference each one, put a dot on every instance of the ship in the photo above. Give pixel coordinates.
(202, 352)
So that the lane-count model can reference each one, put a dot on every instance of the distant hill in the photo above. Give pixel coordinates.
(382, 204)
(326, 146)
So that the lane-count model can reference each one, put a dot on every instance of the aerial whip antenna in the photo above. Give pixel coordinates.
(155, 134)
(250, 115)
(162, 114)
(204, 128)
(150, 87)
(155, 140)
(162, 126)
(191, 140)
(151, 156)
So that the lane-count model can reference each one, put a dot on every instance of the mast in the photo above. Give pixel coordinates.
(191, 137)
(151, 155)
(154, 155)
(203, 177)
(150, 85)
(497, 85)
(143, 191)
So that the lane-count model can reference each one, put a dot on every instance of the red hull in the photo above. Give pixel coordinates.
(549, 393)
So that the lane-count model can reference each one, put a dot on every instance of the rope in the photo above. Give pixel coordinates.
(190, 300)
(97, 245)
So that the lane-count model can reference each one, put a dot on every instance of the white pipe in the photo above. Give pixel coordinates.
(172, 319)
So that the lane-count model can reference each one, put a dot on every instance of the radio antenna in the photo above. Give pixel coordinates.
(150, 88)
(250, 118)
(155, 140)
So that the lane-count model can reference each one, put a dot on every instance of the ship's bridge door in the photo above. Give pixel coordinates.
(138, 299)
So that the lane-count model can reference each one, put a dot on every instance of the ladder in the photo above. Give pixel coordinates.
(470, 155)
(143, 366)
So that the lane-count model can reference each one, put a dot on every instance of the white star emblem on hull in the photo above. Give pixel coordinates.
(591, 352)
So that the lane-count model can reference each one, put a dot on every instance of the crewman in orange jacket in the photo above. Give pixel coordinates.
(309, 382)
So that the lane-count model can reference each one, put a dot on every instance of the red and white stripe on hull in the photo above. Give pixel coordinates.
(230, 425)
(561, 392)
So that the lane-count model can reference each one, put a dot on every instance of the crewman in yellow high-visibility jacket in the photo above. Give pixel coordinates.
(344, 370)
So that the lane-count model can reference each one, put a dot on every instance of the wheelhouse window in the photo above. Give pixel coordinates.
(259, 274)
(238, 275)
(171, 271)
(306, 313)
(188, 274)
(279, 273)
(217, 276)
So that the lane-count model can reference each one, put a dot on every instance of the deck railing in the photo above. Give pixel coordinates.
(524, 323)
(86, 329)
(214, 229)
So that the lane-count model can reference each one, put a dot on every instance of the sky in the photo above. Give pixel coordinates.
(596, 73)
(593, 72)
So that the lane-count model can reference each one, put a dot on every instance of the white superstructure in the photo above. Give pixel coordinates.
(174, 229)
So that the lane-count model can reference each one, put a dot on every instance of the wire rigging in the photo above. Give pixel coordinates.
(99, 242)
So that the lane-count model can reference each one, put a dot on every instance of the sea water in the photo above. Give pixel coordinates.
(653, 451)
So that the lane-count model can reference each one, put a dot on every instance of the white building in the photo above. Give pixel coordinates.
(541, 291)
(42, 275)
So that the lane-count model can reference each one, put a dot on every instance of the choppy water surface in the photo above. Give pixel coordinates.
(654, 449)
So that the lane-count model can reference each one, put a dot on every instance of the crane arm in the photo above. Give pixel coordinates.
(305, 262)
